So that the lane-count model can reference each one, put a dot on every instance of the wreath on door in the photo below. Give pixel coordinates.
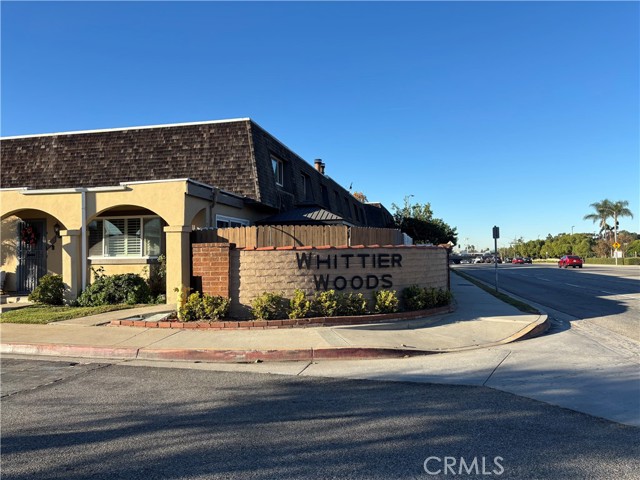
(28, 235)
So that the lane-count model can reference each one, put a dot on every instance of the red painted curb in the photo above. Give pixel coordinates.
(206, 355)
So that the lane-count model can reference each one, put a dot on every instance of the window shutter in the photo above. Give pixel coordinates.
(134, 239)
(114, 233)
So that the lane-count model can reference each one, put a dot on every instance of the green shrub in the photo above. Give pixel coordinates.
(419, 298)
(299, 305)
(50, 290)
(414, 297)
(215, 306)
(203, 307)
(386, 301)
(270, 306)
(612, 261)
(192, 309)
(352, 304)
(326, 304)
(126, 288)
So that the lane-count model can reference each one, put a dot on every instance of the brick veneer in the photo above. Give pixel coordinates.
(244, 274)
(211, 263)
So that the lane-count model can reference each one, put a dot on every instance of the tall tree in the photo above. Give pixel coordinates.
(607, 209)
(601, 215)
(417, 221)
(619, 209)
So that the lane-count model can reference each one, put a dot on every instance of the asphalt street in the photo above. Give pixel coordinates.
(68, 420)
(603, 295)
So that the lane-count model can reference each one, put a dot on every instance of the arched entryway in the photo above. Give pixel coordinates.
(31, 248)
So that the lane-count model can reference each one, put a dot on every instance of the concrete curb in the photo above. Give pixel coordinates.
(251, 356)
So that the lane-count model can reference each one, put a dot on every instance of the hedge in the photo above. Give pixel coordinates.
(612, 261)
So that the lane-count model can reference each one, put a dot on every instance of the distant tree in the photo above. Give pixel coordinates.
(607, 209)
(602, 248)
(417, 221)
(583, 248)
(633, 249)
(417, 211)
(361, 197)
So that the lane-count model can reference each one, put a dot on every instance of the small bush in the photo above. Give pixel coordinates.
(126, 288)
(195, 307)
(299, 305)
(414, 298)
(50, 290)
(270, 306)
(352, 304)
(215, 306)
(192, 309)
(386, 301)
(326, 304)
(419, 298)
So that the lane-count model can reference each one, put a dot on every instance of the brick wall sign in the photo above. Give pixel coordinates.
(346, 269)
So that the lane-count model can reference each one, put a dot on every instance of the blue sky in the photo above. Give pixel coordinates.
(497, 113)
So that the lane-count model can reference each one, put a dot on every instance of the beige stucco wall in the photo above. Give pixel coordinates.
(141, 269)
(228, 211)
(254, 271)
(169, 200)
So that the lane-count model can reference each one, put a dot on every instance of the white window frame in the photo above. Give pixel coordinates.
(142, 218)
(278, 170)
(225, 218)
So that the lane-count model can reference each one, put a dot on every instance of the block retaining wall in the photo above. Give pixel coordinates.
(288, 323)
(244, 274)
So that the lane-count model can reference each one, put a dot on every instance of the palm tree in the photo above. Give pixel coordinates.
(602, 209)
(605, 209)
(619, 209)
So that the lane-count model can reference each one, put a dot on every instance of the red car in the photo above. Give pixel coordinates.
(570, 261)
(517, 260)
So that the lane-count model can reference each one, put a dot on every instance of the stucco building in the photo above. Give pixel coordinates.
(118, 198)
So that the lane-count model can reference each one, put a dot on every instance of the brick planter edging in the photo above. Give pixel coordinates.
(290, 323)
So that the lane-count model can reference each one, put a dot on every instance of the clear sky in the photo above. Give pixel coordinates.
(497, 113)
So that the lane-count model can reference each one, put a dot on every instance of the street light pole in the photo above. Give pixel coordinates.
(572, 226)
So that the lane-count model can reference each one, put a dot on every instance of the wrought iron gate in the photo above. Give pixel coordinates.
(32, 254)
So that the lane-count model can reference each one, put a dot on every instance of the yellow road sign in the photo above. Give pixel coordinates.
(616, 245)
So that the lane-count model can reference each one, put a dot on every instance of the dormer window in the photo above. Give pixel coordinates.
(306, 187)
(278, 170)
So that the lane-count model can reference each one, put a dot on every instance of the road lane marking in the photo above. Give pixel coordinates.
(572, 285)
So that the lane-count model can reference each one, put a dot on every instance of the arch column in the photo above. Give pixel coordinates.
(71, 264)
(178, 260)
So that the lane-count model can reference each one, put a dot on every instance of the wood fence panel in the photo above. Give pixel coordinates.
(300, 235)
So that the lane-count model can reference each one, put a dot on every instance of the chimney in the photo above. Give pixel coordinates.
(319, 164)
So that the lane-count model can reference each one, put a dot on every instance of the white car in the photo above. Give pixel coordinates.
(478, 260)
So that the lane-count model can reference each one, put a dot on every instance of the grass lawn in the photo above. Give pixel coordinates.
(42, 314)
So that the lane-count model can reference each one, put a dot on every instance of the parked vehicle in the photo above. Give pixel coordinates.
(508, 259)
(518, 260)
(570, 261)
(478, 260)
(527, 260)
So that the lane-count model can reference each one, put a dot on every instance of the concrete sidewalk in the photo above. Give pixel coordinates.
(479, 320)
